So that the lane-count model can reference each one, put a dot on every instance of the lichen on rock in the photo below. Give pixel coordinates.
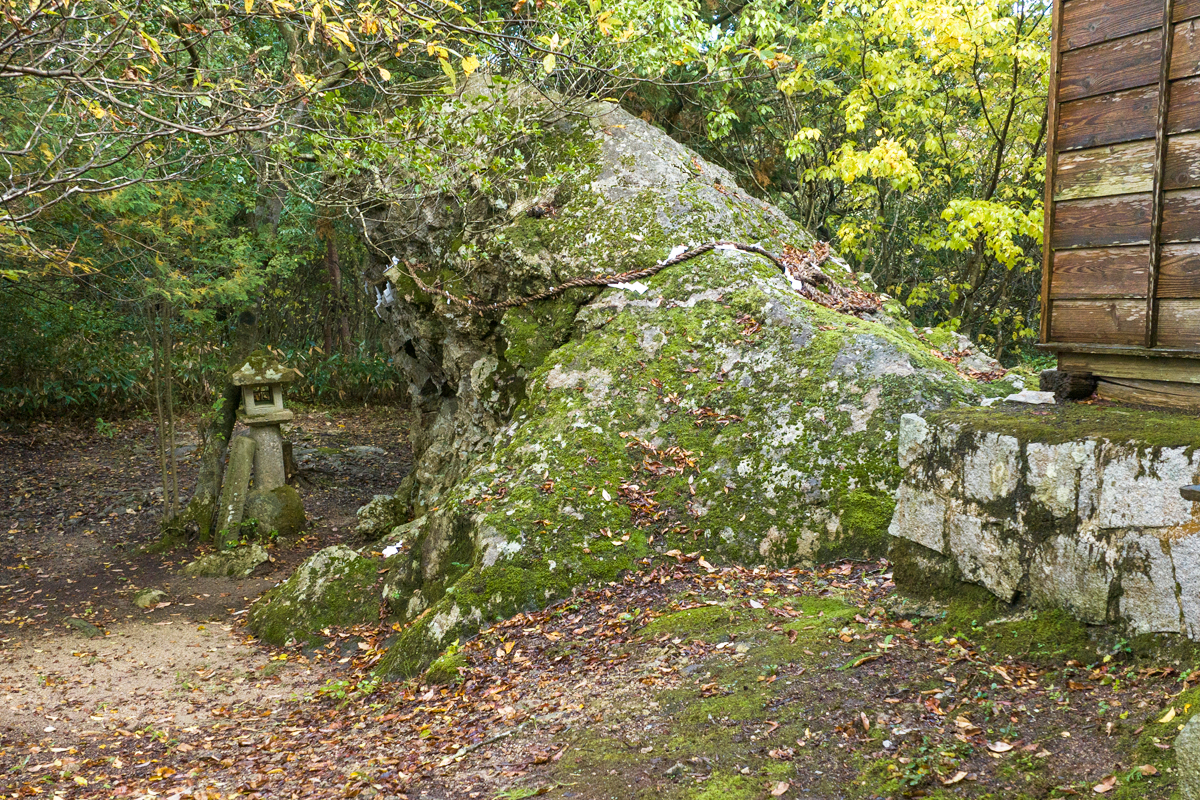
(276, 511)
(236, 563)
(1077, 509)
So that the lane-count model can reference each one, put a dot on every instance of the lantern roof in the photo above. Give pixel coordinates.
(262, 368)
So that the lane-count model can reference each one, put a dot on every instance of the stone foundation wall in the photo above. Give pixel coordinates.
(1077, 509)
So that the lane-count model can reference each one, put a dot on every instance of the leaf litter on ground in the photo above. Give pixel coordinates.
(540, 694)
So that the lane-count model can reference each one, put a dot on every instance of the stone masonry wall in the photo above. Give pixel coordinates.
(1068, 509)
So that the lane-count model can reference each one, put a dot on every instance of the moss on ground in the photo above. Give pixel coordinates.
(1065, 423)
(764, 709)
(711, 736)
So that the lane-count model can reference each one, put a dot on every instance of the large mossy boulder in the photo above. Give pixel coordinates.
(717, 411)
(604, 193)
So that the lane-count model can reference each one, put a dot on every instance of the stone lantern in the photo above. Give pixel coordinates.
(261, 380)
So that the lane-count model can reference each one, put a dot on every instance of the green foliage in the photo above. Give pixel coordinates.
(346, 691)
(76, 360)
(203, 159)
(909, 133)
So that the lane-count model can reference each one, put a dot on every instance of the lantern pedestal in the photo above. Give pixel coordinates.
(269, 466)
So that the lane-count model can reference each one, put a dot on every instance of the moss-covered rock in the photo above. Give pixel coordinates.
(379, 516)
(149, 598)
(446, 668)
(334, 587)
(740, 420)
(568, 440)
(236, 563)
(278, 511)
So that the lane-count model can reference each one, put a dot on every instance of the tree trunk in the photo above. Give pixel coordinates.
(168, 354)
(337, 318)
(156, 346)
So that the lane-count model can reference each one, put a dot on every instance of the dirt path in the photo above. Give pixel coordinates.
(80, 509)
(681, 681)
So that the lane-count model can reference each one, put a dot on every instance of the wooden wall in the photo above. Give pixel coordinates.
(1122, 251)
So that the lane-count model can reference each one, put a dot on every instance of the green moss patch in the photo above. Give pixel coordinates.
(446, 668)
(1038, 636)
(1065, 423)
(335, 587)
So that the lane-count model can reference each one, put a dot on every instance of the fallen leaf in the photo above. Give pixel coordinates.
(1167, 717)
(999, 747)
(1106, 785)
(1148, 769)
(968, 728)
(958, 776)
(780, 789)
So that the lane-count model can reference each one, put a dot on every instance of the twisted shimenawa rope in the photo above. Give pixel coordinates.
(815, 275)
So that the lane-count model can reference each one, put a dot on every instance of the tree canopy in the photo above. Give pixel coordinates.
(206, 154)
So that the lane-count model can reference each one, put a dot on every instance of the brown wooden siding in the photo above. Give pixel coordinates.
(1123, 63)
(1185, 9)
(1122, 246)
(1102, 221)
(1105, 171)
(1086, 22)
(1110, 118)
(1179, 323)
(1099, 272)
(1184, 115)
(1100, 321)
(1127, 168)
(1179, 271)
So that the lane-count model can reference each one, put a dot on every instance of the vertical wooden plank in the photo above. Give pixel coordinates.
(1160, 162)
(1051, 162)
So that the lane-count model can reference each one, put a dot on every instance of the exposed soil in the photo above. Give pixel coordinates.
(679, 681)
(81, 512)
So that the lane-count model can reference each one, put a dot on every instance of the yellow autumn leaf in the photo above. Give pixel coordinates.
(383, 73)
(449, 70)
(1167, 717)
(469, 64)
(249, 6)
(548, 63)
